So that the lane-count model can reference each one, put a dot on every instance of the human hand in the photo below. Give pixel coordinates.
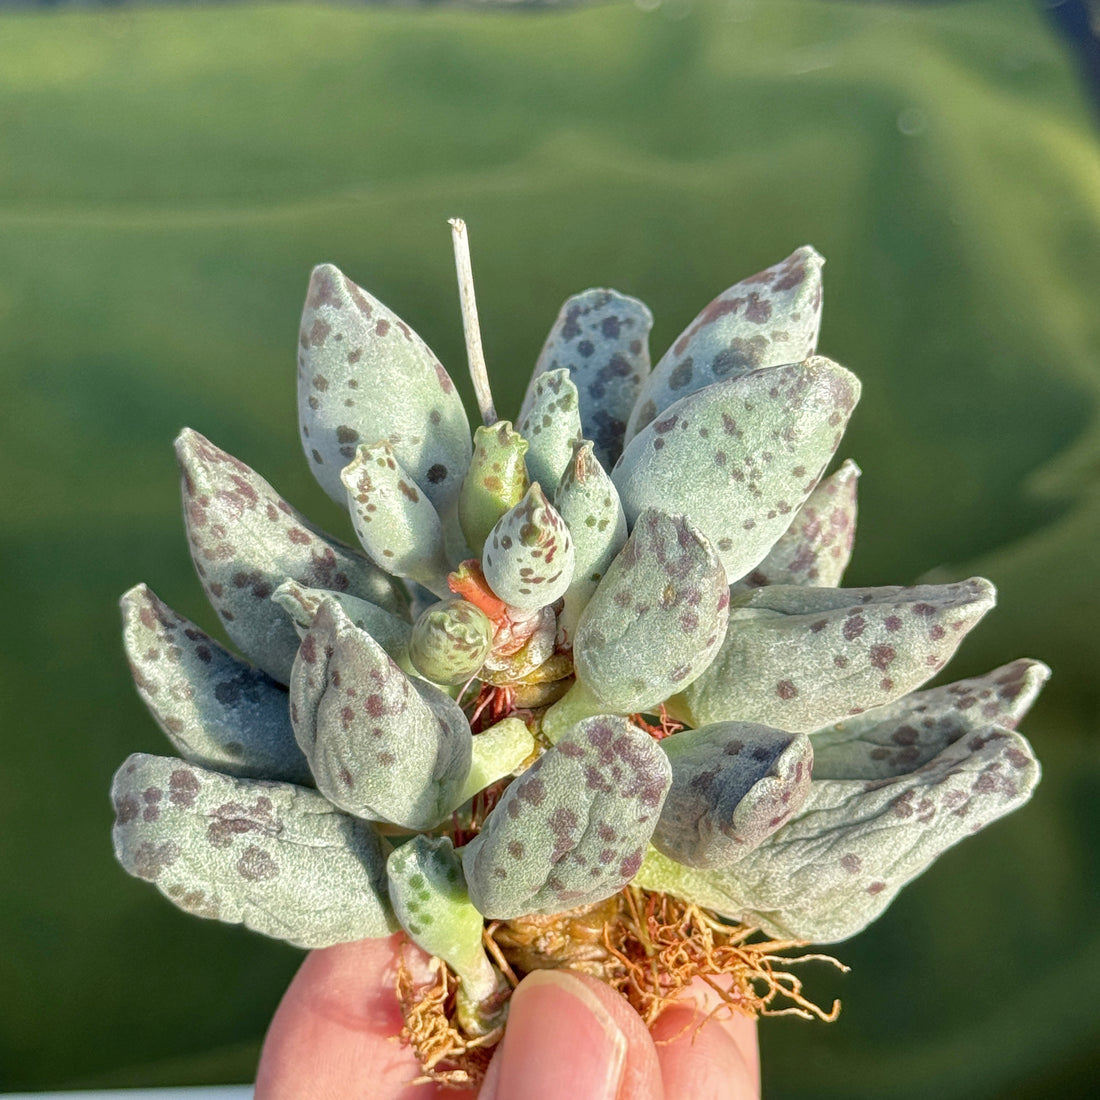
(569, 1037)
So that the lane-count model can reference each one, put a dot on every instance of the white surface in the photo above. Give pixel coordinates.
(233, 1092)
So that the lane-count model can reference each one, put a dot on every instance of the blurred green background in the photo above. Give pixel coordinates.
(167, 178)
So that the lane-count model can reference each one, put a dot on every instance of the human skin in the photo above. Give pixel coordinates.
(569, 1037)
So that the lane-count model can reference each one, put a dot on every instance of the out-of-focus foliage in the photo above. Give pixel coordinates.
(169, 177)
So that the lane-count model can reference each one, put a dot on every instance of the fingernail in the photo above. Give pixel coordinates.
(560, 1043)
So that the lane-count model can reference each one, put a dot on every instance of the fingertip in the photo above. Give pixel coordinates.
(705, 1058)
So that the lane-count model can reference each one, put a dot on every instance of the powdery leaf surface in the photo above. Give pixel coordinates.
(733, 784)
(817, 546)
(657, 618)
(799, 658)
(572, 830)
(380, 746)
(245, 540)
(496, 481)
(602, 338)
(768, 319)
(740, 457)
(277, 858)
(365, 376)
(551, 425)
(904, 735)
(216, 710)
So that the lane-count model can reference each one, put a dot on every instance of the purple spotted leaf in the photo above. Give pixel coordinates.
(768, 319)
(905, 735)
(589, 503)
(216, 710)
(381, 746)
(799, 658)
(740, 457)
(496, 481)
(833, 869)
(816, 547)
(528, 556)
(395, 522)
(733, 785)
(657, 618)
(277, 858)
(572, 830)
(365, 376)
(602, 338)
(246, 540)
(551, 425)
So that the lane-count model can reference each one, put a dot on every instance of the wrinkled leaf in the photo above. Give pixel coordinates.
(397, 525)
(799, 658)
(657, 618)
(450, 641)
(551, 425)
(365, 376)
(739, 457)
(764, 321)
(380, 746)
(528, 556)
(246, 540)
(733, 784)
(496, 481)
(589, 503)
(835, 868)
(602, 338)
(215, 709)
(572, 830)
(816, 547)
(276, 858)
(906, 734)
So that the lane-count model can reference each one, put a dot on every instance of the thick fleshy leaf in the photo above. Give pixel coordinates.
(365, 376)
(763, 321)
(799, 658)
(816, 547)
(450, 641)
(551, 425)
(572, 830)
(380, 746)
(528, 556)
(496, 481)
(602, 338)
(589, 503)
(740, 457)
(733, 785)
(428, 894)
(397, 525)
(835, 868)
(657, 618)
(391, 633)
(906, 734)
(215, 709)
(276, 858)
(246, 540)
(499, 751)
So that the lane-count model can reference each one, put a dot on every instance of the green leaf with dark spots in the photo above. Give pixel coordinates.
(450, 641)
(551, 425)
(496, 481)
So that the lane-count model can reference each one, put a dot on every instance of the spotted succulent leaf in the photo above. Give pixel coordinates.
(799, 658)
(216, 710)
(907, 734)
(397, 525)
(733, 785)
(551, 426)
(768, 319)
(740, 457)
(496, 481)
(246, 540)
(572, 830)
(365, 376)
(450, 641)
(277, 858)
(602, 338)
(528, 556)
(380, 746)
(815, 549)
(827, 874)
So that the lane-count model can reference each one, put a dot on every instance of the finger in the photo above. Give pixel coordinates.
(332, 1037)
(705, 1056)
(571, 1037)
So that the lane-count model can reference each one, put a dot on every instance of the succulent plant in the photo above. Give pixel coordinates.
(604, 648)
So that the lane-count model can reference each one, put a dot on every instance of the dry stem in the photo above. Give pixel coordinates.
(479, 374)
